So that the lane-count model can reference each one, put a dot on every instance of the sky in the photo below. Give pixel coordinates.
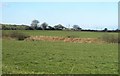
(60, 0)
(88, 15)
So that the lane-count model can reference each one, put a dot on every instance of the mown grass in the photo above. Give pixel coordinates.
(44, 57)
(63, 33)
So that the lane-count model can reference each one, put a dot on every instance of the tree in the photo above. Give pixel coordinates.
(117, 30)
(59, 27)
(44, 26)
(3, 27)
(34, 24)
(50, 28)
(76, 27)
(105, 30)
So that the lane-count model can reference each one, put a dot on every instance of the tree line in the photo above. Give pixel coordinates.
(44, 26)
(35, 26)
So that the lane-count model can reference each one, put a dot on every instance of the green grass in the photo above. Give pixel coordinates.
(44, 57)
(63, 33)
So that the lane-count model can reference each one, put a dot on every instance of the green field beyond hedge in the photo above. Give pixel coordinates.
(62, 33)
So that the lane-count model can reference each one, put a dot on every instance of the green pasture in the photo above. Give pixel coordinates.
(62, 33)
(43, 57)
(47, 57)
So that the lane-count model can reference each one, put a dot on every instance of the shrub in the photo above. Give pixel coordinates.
(18, 35)
(15, 34)
(4, 34)
(72, 36)
(110, 38)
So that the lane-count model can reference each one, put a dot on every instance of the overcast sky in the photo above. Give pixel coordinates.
(88, 15)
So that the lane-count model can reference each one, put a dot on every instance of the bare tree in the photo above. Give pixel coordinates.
(44, 26)
(34, 24)
(76, 27)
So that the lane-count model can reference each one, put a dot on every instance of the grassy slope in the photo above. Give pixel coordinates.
(62, 33)
(58, 57)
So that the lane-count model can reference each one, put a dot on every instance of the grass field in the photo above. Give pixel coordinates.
(46, 57)
(63, 33)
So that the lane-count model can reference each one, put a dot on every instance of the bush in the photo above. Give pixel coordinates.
(4, 34)
(15, 34)
(72, 36)
(110, 38)
(18, 35)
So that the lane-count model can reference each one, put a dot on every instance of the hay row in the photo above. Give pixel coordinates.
(51, 38)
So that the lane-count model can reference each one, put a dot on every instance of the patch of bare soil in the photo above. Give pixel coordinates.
(76, 40)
